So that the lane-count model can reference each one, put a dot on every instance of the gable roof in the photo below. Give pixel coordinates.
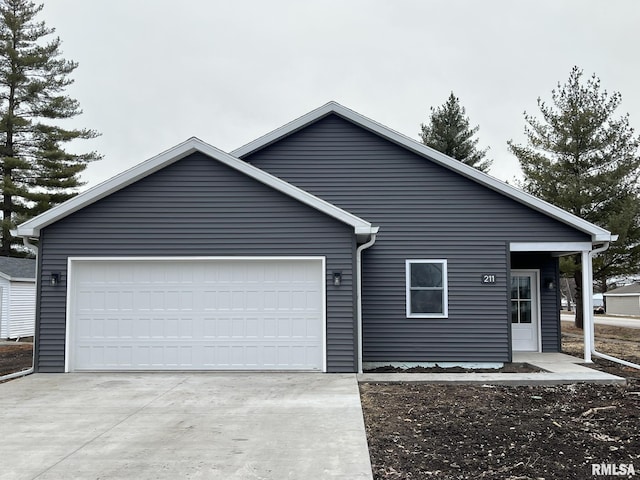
(18, 268)
(627, 290)
(597, 234)
(31, 228)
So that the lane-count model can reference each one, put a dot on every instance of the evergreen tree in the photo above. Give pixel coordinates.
(448, 132)
(585, 160)
(37, 172)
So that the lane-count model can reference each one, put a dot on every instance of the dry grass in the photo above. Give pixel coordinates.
(606, 331)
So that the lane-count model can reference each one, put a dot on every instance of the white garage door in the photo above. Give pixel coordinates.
(196, 314)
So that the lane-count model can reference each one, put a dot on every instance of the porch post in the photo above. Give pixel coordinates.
(587, 304)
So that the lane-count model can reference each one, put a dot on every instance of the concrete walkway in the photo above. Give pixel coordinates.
(558, 369)
(183, 425)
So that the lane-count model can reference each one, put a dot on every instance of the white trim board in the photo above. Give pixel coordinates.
(596, 233)
(538, 287)
(17, 279)
(31, 228)
(550, 246)
(445, 288)
(187, 258)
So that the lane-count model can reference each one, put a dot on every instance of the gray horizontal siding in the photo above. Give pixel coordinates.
(198, 207)
(424, 211)
(623, 305)
(476, 319)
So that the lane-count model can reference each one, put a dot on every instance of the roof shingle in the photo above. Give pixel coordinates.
(18, 267)
(627, 289)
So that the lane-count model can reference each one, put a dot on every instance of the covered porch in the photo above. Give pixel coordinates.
(536, 265)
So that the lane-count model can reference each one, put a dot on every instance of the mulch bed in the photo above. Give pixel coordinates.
(507, 368)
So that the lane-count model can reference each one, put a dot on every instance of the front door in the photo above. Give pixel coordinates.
(525, 309)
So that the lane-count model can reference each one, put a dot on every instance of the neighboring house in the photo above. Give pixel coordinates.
(624, 300)
(18, 297)
(329, 243)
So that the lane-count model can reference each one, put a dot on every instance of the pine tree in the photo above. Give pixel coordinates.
(585, 160)
(448, 132)
(37, 172)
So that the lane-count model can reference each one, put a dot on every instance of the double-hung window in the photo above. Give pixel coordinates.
(427, 288)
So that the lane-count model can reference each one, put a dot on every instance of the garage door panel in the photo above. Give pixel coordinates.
(219, 356)
(181, 314)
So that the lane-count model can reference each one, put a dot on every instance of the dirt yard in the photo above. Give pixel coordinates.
(516, 433)
(15, 357)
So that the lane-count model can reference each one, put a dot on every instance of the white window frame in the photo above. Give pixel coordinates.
(445, 295)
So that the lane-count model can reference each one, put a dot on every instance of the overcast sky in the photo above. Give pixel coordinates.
(153, 73)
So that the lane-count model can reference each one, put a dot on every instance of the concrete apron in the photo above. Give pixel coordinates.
(556, 369)
(183, 425)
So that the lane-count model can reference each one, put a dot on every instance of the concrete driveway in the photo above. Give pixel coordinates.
(183, 425)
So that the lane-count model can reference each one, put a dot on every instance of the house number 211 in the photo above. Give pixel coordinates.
(488, 278)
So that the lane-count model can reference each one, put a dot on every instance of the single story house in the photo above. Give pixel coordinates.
(330, 244)
(624, 300)
(17, 297)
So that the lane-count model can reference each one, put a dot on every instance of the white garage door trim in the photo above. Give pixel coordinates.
(73, 261)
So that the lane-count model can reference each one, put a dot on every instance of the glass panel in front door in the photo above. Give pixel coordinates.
(514, 312)
(514, 288)
(524, 290)
(521, 299)
(525, 311)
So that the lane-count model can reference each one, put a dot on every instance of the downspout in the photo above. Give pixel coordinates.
(591, 347)
(587, 303)
(28, 371)
(359, 250)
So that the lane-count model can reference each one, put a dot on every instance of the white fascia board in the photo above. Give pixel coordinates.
(550, 246)
(597, 233)
(287, 129)
(21, 279)
(32, 227)
(621, 294)
(366, 230)
(16, 279)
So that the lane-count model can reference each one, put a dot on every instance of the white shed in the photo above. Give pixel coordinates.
(624, 300)
(17, 297)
